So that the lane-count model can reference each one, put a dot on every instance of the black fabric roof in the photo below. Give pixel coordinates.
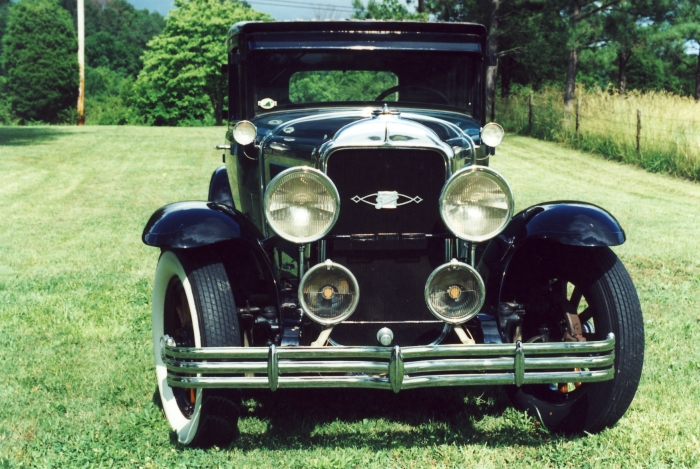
(357, 26)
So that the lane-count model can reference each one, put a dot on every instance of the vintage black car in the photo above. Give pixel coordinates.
(373, 247)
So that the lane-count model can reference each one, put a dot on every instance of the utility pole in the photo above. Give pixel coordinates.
(421, 6)
(81, 61)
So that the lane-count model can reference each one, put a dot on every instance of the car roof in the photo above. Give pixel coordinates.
(247, 27)
(332, 34)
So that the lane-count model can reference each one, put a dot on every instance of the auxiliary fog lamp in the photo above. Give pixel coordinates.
(455, 292)
(328, 293)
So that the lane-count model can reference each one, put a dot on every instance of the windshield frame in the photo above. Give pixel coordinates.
(370, 35)
(472, 67)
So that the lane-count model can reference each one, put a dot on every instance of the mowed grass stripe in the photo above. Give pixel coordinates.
(76, 375)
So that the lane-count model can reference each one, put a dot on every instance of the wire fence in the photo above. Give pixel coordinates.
(655, 139)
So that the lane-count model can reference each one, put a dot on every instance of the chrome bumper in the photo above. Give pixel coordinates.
(394, 368)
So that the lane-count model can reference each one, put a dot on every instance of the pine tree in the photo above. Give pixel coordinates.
(40, 57)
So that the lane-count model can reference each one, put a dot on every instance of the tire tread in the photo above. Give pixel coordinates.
(219, 327)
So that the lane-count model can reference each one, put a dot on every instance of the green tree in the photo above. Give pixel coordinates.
(116, 34)
(336, 85)
(40, 56)
(4, 9)
(4, 6)
(181, 80)
(630, 28)
(385, 10)
(686, 27)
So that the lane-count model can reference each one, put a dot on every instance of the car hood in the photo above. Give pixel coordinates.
(298, 133)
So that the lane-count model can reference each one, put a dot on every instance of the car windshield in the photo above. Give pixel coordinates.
(298, 78)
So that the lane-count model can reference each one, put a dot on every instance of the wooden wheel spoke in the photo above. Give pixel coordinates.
(576, 296)
(585, 315)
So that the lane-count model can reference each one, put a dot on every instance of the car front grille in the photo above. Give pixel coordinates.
(387, 248)
(416, 175)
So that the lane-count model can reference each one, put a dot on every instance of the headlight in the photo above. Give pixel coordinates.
(301, 204)
(329, 293)
(244, 132)
(476, 203)
(455, 292)
(492, 134)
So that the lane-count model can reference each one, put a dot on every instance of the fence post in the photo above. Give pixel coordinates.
(578, 114)
(529, 116)
(639, 127)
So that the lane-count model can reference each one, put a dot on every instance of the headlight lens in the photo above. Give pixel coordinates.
(244, 132)
(455, 292)
(492, 134)
(301, 204)
(329, 293)
(476, 203)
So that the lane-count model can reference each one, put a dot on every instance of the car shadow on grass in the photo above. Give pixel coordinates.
(298, 419)
(21, 136)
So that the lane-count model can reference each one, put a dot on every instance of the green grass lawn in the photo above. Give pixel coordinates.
(76, 374)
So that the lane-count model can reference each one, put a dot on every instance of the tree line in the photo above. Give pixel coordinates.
(140, 68)
(144, 69)
(624, 44)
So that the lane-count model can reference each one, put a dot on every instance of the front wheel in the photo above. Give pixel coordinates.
(593, 284)
(193, 304)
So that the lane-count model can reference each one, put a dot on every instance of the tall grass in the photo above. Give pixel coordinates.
(669, 140)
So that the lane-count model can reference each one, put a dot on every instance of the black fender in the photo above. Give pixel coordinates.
(565, 222)
(187, 225)
(219, 188)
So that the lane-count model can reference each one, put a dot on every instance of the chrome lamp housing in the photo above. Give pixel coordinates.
(301, 204)
(476, 203)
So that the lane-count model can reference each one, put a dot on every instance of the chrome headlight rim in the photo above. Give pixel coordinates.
(324, 180)
(454, 263)
(328, 264)
(465, 172)
(244, 132)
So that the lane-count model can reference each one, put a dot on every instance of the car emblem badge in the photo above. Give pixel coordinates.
(267, 103)
(387, 199)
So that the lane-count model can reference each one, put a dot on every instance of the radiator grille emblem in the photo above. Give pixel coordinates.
(387, 199)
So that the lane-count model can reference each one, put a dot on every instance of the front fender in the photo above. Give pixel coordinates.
(220, 189)
(196, 224)
(566, 222)
(570, 223)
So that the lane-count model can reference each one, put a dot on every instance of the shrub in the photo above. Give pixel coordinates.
(40, 58)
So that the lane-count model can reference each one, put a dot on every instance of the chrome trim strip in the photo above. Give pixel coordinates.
(519, 364)
(273, 368)
(459, 365)
(378, 382)
(394, 368)
(339, 367)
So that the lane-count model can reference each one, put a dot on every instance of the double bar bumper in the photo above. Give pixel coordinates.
(394, 368)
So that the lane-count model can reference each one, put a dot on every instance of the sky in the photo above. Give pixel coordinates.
(278, 9)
